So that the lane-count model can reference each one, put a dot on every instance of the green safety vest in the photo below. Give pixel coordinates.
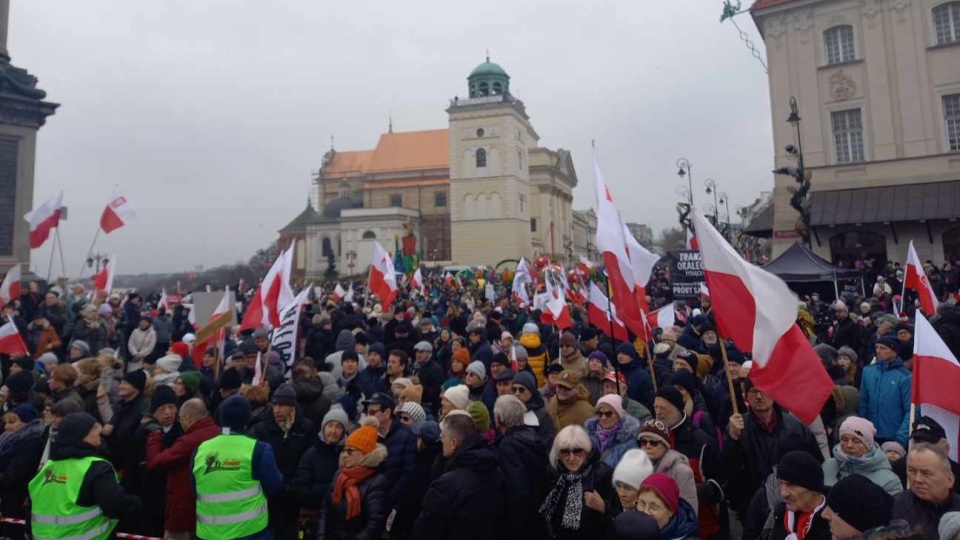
(230, 502)
(55, 513)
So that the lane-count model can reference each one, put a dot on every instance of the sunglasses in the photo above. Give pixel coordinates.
(519, 390)
(405, 418)
(572, 452)
(605, 414)
(349, 450)
(649, 442)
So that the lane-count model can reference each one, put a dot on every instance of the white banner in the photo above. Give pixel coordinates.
(284, 339)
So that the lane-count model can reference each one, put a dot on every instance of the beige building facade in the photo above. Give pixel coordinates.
(479, 192)
(877, 84)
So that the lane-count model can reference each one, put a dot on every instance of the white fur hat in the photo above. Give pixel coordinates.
(633, 469)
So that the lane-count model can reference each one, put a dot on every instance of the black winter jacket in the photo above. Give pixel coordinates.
(922, 514)
(819, 527)
(467, 502)
(18, 467)
(592, 524)
(312, 402)
(523, 460)
(431, 377)
(315, 473)
(372, 521)
(401, 446)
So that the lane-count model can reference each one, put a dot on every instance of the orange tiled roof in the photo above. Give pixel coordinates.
(411, 150)
(347, 164)
(406, 183)
(761, 4)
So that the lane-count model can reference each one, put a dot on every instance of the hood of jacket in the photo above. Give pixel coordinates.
(670, 460)
(684, 523)
(476, 455)
(530, 341)
(877, 462)
(308, 390)
(627, 430)
(345, 340)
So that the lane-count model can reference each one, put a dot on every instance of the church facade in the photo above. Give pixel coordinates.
(479, 192)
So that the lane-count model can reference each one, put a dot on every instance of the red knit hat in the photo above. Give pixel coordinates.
(180, 349)
(665, 487)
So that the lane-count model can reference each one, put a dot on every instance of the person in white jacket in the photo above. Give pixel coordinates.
(141, 343)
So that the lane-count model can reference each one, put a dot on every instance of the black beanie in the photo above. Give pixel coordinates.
(137, 379)
(861, 503)
(801, 469)
(73, 428)
(26, 363)
(230, 380)
(672, 395)
(690, 358)
(684, 379)
(20, 383)
(234, 413)
(162, 395)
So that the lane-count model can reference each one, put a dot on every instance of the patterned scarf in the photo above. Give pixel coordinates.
(348, 482)
(570, 484)
(605, 435)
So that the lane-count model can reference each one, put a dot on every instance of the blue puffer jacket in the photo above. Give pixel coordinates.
(624, 439)
(683, 525)
(885, 399)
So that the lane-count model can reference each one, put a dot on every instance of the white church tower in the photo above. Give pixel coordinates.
(490, 139)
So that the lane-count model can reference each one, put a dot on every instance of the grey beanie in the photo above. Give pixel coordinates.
(848, 352)
(477, 368)
(949, 525)
(336, 414)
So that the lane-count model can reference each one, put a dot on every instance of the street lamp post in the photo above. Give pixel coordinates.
(799, 195)
(725, 202)
(685, 169)
(99, 258)
(712, 189)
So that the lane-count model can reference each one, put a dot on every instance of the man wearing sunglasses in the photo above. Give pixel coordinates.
(524, 387)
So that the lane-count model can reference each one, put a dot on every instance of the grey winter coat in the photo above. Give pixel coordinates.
(877, 470)
(677, 466)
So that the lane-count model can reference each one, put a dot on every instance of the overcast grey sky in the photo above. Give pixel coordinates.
(211, 114)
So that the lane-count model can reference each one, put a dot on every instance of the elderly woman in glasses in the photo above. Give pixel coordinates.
(576, 508)
(612, 431)
(655, 441)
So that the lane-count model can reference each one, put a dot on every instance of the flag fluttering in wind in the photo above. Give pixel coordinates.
(273, 293)
(521, 277)
(642, 263)
(417, 282)
(11, 343)
(222, 310)
(43, 219)
(936, 377)
(103, 281)
(664, 317)
(599, 310)
(338, 293)
(164, 302)
(118, 212)
(10, 288)
(383, 278)
(692, 240)
(258, 378)
(349, 296)
(915, 279)
(612, 245)
(758, 312)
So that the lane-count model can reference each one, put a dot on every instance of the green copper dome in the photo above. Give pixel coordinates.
(488, 79)
(488, 68)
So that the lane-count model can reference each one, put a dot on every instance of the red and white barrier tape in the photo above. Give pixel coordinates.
(118, 535)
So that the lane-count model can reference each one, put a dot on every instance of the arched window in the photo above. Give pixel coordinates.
(326, 247)
(838, 44)
(344, 190)
(946, 22)
(369, 235)
(484, 89)
(481, 158)
(497, 89)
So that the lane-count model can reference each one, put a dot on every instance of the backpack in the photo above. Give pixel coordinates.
(697, 416)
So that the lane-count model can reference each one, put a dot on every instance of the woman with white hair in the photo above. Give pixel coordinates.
(576, 506)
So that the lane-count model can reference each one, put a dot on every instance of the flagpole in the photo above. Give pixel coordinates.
(649, 358)
(89, 251)
(63, 265)
(50, 266)
(726, 368)
(616, 363)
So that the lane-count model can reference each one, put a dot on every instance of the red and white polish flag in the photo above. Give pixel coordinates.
(520, 279)
(10, 288)
(936, 377)
(103, 281)
(43, 219)
(758, 312)
(11, 343)
(118, 212)
(642, 263)
(338, 293)
(599, 310)
(692, 240)
(383, 277)
(349, 296)
(915, 278)
(664, 317)
(275, 292)
(417, 282)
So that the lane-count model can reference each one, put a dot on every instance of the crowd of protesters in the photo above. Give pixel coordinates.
(449, 416)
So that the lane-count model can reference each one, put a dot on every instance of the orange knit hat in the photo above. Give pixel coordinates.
(363, 439)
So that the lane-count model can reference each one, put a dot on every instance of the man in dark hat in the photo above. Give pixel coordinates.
(290, 433)
(399, 440)
(121, 431)
(76, 479)
(692, 336)
(800, 515)
(856, 506)
(927, 430)
(885, 393)
(152, 485)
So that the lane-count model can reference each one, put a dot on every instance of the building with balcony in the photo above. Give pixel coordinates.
(877, 83)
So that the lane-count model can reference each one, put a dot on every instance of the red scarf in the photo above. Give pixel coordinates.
(347, 481)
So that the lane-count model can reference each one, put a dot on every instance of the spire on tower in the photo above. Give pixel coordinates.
(390, 125)
(331, 143)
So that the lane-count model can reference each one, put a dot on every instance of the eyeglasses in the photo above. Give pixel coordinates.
(755, 393)
(577, 452)
(371, 410)
(649, 442)
(605, 414)
(519, 389)
(349, 450)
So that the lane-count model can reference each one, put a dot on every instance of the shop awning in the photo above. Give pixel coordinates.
(914, 202)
